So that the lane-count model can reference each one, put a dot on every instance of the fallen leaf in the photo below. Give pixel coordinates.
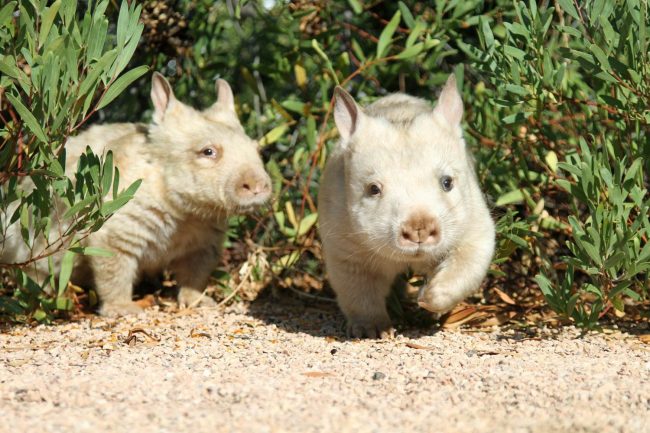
(645, 338)
(147, 301)
(505, 297)
(195, 333)
(317, 374)
(417, 346)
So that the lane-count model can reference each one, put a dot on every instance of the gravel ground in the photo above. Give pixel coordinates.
(279, 366)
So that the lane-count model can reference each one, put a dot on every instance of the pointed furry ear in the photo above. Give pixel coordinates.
(225, 97)
(162, 96)
(346, 113)
(450, 104)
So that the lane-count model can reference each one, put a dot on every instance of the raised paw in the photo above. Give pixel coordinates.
(436, 300)
(119, 309)
(189, 298)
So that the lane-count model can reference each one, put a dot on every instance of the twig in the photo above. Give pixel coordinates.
(239, 286)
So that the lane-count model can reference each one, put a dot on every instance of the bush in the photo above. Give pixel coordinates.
(58, 68)
(556, 108)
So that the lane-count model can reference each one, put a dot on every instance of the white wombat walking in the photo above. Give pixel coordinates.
(399, 192)
(197, 168)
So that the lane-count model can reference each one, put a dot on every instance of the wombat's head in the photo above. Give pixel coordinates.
(409, 179)
(210, 164)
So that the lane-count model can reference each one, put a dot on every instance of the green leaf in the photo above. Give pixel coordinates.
(568, 7)
(107, 173)
(274, 135)
(65, 271)
(28, 118)
(92, 251)
(486, 32)
(514, 196)
(406, 14)
(120, 84)
(48, 19)
(307, 223)
(411, 51)
(356, 6)
(386, 36)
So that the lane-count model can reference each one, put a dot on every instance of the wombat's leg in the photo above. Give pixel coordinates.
(114, 278)
(459, 275)
(192, 273)
(362, 298)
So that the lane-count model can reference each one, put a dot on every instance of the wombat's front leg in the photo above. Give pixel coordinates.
(361, 294)
(192, 273)
(459, 275)
(114, 278)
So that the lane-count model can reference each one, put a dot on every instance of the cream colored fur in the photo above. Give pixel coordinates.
(406, 149)
(178, 217)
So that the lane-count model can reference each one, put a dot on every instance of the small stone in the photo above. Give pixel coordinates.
(378, 375)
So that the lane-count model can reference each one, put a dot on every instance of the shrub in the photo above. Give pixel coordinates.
(58, 66)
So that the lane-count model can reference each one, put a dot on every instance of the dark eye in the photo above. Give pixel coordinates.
(209, 152)
(374, 189)
(447, 183)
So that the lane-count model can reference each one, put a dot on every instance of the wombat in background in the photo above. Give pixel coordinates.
(197, 168)
(400, 192)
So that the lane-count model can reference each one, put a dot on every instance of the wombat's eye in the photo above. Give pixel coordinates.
(447, 183)
(373, 189)
(209, 152)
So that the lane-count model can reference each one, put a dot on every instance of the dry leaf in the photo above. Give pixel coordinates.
(195, 333)
(147, 301)
(417, 346)
(463, 315)
(504, 297)
(317, 374)
(645, 338)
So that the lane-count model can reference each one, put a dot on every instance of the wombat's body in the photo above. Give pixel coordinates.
(399, 192)
(197, 167)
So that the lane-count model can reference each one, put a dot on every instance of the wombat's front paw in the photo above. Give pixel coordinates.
(370, 329)
(122, 309)
(193, 298)
(436, 300)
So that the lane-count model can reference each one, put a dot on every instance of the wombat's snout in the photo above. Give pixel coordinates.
(419, 229)
(252, 185)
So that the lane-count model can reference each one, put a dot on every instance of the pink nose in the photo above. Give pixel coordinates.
(252, 184)
(420, 229)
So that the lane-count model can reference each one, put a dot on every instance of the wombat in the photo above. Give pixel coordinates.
(400, 192)
(197, 168)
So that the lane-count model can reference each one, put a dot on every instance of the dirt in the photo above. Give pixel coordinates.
(285, 365)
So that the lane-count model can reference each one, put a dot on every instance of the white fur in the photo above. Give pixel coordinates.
(400, 143)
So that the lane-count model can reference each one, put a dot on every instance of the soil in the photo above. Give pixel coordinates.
(285, 365)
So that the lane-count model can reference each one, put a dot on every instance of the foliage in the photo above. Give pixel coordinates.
(59, 66)
(556, 96)
(575, 80)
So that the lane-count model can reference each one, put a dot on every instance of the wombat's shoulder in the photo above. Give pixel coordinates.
(399, 109)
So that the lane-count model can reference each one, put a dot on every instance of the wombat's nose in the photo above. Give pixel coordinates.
(419, 229)
(251, 184)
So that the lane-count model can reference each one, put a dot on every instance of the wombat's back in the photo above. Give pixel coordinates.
(98, 137)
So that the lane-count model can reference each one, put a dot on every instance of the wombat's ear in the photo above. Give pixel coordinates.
(162, 96)
(225, 97)
(346, 112)
(450, 105)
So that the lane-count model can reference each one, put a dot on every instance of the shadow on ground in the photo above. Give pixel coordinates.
(317, 317)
